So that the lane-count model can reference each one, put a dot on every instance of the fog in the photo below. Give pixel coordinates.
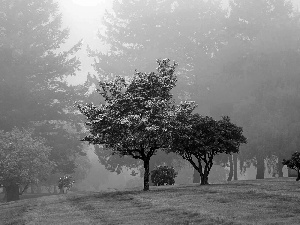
(235, 58)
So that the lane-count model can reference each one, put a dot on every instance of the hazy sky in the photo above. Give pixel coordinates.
(83, 17)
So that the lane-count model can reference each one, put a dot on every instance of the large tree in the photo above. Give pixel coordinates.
(135, 119)
(198, 139)
(23, 159)
(32, 66)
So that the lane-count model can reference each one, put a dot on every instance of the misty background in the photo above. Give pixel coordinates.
(238, 58)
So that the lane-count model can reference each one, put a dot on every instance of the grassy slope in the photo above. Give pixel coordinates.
(269, 201)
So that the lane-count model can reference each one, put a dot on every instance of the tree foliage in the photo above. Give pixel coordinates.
(23, 159)
(135, 119)
(63, 138)
(138, 31)
(32, 67)
(199, 138)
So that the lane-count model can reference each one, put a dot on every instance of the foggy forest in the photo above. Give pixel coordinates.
(236, 59)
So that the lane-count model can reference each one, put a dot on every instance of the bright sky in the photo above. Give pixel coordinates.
(83, 17)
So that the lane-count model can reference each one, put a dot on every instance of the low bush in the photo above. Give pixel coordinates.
(163, 175)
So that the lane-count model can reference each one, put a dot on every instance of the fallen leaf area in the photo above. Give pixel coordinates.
(269, 201)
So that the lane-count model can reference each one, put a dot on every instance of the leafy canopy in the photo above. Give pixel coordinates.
(202, 137)
(23, 158)
(32, 64)
(135, 117)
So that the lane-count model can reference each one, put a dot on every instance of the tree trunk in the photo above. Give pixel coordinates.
(235, 166)
(204, 178)
(146, 174)
(298, 177)
(151, 168)
(230, 175)
(24, 189)
(280, 166)
(260, 174)
(196, 176)
(12, 192)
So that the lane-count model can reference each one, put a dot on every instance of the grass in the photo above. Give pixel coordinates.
(269, 201)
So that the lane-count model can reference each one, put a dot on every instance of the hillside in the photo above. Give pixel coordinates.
(269, 201)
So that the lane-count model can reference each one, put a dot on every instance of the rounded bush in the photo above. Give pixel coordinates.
(163, 175)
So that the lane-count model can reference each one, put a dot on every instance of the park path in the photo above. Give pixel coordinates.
(54, 209)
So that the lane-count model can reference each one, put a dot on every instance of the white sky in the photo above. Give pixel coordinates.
(83, 17)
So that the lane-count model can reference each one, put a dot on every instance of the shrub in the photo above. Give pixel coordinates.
(293, 163)
(65, 181)
(163, 175)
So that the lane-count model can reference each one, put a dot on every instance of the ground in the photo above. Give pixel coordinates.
(269, 201)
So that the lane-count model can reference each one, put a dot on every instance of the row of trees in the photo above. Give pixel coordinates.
(138, 118)
(38, 127)
(240, 61)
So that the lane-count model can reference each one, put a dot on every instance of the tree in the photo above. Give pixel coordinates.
(293, 163)
(63, 138)
(23, 158)
(220, 109)
(198, 139)
(135, 119)
(32, 66)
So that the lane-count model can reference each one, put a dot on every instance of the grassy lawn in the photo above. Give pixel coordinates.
(269, 201)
